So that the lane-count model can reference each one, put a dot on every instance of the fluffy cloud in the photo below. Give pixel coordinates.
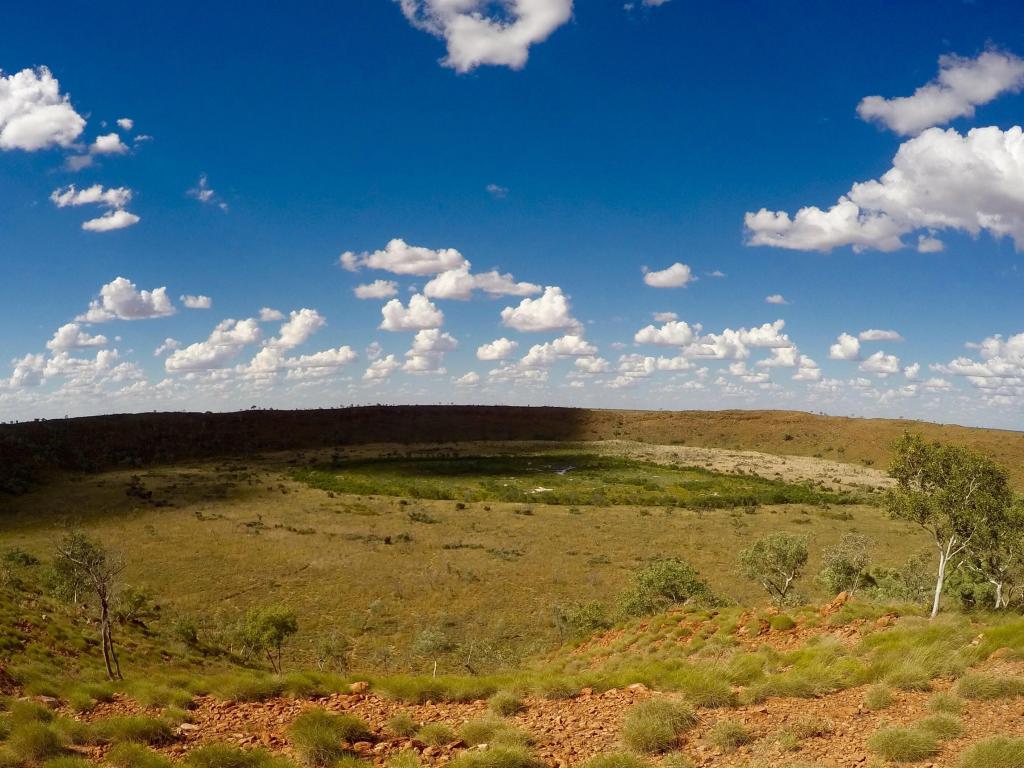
(427, 352)
(121, 300)
(168, 345)
(71, 336)
(736, 344)
(378, 289)
(108, 144)
(570, 345)
(328, 358)
(592, 365)
(674, 333)
(196, 302)
(400, 258)
(125, 123)
(881, 364)
(225, 343)
(664, 317)
(675, 276)
(381, 370)
(420, 314)
(270, 315)
(775, 298)
(478, 32)
(875, 334)
(301, 324)
(939, 180)
(550, 312)
(111, 220)
(499, 349)
(470, 379)
(459, 284)
(34, 114)
(847, 347)
(961, 85)
(113, 197)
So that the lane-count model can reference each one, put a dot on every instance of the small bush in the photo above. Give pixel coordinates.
(878, 697)
(492, 730)
(67, 761)
(137, 729)
(616, 760)
(407, 758)
(316, 735)
(496, 757)
(656, 725)
(505, 703)
(127, 755)
(942, 727)
(34, 743)
(662, 584)
(987, 687)
(946, 704)
(996, 752)
(781, 622)
(224, 756)
(436, 734)
(728, 735)
(812, 728)
(401, 725)
(24, 711)
(902, 745)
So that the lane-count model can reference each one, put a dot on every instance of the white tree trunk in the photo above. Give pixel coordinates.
(939, 582)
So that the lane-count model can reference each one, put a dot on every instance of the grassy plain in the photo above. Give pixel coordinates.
(417, 580)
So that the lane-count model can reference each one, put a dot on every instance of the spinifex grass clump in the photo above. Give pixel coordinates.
(996, 752)
(616, 760)
(497, 757)
(435, 734)
(224, 756)
(137, 729)
(505, 703)
(656, 725)
(493, 730)
(136, 756)
(728, 735)
(903, 745)
(317, 735)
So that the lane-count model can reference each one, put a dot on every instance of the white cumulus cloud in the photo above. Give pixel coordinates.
(549, 312)
(400, 258)
(378, 289)
(196, 302)
(121, 300)
(847, 347)
(939, 180)
(961, 85)
(420, 314)
(34, 114)
(499, 349)
(675, 276)
(495, 32)
(71, 336)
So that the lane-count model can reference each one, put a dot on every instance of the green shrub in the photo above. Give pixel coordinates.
(34, 743)
(946, 704)
(67, 761)
(496, 757)
(435, 734)
(781, 622)
(224, 756)
(317, 734)
(505, 703)
(401, 725)
(728, 735)
(985, 687)
(616, 760)
(878, 697)
(902, 745)
(246, 687)
(137, 729)
(704, 687)
(23, 711)
(844, 566)
(942, 727)
(995, 752)
(127, 755)
(663, 584)
(493, 730)
(656, 725)
(407, 758)
(811, 728)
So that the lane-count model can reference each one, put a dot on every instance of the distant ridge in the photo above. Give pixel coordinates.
(95, 442)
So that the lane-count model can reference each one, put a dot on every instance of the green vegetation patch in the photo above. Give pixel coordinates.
(559, 478)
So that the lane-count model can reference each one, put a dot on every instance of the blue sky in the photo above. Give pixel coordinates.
(569, 146)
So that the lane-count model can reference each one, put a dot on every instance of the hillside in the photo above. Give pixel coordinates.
(157, 438)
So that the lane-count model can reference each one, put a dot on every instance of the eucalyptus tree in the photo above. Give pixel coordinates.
(83, 565)
(960, 497)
